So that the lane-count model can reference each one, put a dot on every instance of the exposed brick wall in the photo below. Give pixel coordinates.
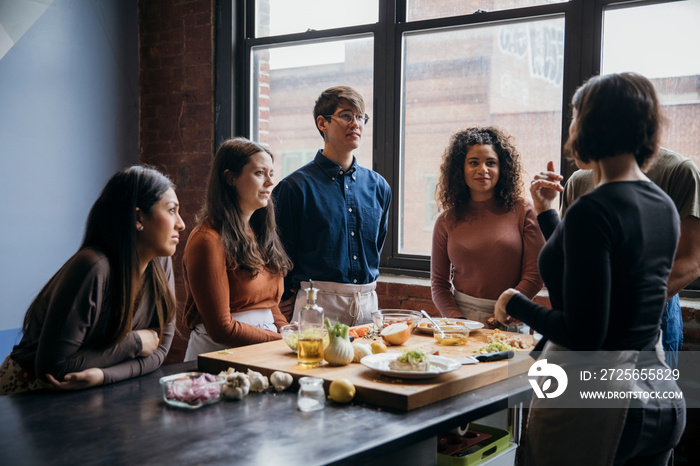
(176, 86)
(405, 296)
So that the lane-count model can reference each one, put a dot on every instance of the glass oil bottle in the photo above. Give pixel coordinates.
(311, 330)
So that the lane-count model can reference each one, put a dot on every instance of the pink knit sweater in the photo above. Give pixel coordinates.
(487, 251)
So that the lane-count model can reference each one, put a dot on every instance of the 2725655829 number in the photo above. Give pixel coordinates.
(639, 374)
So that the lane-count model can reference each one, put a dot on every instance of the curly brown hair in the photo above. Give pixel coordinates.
(452, 193)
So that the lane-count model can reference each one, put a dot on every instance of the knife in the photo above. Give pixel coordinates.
(488, 357)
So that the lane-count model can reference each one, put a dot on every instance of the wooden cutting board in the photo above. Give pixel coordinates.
(372, 387)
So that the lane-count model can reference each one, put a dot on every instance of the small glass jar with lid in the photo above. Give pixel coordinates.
(311, 396)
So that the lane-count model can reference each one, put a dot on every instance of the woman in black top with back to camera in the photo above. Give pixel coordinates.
(605, 266)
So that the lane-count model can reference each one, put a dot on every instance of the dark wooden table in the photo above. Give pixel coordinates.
(129, 424)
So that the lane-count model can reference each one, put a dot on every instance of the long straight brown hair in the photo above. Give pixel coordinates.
(111, 229)
(222, 212)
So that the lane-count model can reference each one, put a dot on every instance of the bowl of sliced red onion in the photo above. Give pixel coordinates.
(191, 389)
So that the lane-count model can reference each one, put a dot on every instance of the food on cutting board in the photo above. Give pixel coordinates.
(500, 341)
(340, 351)
(452, 335)
(341, 391)
(491, 322)
(441, 322)
(359, 332)
(378, 347)
(396, 334)
(411, 360)
(361, 350)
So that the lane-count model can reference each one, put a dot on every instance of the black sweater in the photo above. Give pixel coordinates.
(605, 266)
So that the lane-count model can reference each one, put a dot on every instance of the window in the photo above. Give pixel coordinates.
(288, 79)
(277, 17)
(427, 9)
(291, 161)
(665, 38)
(507, 75)
(430, 205)
(428, 69)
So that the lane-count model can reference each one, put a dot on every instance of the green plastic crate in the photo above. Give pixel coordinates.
(481, 452)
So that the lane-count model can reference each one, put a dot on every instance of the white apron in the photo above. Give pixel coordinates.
(347, 303)
(481, 309)
(200, 341)
(478, 309)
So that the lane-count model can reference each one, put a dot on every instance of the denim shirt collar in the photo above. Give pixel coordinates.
(332, 169)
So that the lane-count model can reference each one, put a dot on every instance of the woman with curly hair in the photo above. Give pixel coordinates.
(486, 239)
(234, 262)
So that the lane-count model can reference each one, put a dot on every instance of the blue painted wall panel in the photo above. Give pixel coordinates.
(68, 121)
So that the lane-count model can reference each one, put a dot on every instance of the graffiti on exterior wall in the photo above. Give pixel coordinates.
(543, 44)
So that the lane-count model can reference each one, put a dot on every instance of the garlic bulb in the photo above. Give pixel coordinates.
(236, 387)
(258, 382)
(281, 380)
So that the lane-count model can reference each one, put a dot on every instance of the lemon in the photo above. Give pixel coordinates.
(378, 347)
(341, 390)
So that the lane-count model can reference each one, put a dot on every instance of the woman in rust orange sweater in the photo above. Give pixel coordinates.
(234, 263)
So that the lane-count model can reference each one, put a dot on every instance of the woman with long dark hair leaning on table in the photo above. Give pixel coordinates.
(108, 313)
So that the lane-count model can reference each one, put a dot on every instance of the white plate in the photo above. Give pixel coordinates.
(472, 324)
(438, 365)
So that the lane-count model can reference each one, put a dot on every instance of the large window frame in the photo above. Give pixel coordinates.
(235, 40)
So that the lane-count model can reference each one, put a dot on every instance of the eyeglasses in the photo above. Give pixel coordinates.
(347, 118)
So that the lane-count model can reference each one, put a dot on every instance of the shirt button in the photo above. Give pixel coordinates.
(354, 258)
(355, 280)
(332, 179)
(350, 209)
(347, 187)
(341, 172)
(352, 233)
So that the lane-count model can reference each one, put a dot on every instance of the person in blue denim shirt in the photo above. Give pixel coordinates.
(678, 177)
(332, 216)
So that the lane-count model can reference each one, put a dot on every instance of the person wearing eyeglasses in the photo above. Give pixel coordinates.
(332, 216)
